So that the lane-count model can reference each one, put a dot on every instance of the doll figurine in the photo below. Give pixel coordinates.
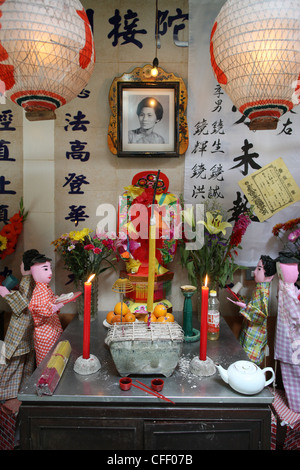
(287, 344)
(253, 336)
(44, 310)
(18, 352)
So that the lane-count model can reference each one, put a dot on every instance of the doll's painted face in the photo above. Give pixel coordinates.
(288, 272)
(42, 272)
(259, 273)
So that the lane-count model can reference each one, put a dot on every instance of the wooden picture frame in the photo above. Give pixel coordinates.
(130, 133)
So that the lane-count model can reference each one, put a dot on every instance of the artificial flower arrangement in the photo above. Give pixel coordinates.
(84, 254)
(10, 232)
(289, 234)
(216, 257)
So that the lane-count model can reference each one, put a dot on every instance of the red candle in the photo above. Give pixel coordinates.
(203, 326)
(87, 317)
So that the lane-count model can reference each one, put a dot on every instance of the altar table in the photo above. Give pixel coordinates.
(92, 412)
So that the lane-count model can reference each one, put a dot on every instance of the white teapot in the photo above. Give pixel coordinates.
(246, 377)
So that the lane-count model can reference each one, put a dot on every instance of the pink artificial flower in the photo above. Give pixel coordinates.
(294, 235)
(97, 250)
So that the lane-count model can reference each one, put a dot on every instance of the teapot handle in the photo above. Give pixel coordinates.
(265, 370)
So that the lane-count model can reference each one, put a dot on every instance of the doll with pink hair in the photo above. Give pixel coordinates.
(44, 310)
(287, 340)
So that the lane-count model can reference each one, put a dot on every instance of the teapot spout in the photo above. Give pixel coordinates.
(223, 373)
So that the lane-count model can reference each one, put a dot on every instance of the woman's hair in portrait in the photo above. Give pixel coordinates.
(151, 103)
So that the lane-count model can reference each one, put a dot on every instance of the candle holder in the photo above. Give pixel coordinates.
(122, 286)
(202, 368)
(87, 366)
(87, 363)
(190, 333)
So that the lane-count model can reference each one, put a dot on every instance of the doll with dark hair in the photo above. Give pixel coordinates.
(17, 358)
(253, 336)
(44, 309)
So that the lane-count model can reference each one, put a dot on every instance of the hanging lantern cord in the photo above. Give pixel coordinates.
(154, 70)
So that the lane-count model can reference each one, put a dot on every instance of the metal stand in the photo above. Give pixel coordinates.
(190, 333)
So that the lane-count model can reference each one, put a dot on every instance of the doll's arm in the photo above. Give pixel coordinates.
(15, 300)
(57, 307)
(3, 291)
(239, 304)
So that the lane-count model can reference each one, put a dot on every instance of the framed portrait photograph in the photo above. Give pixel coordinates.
(148, 121)
(148, 114)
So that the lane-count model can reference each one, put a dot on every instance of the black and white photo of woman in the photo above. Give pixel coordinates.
(149, 112)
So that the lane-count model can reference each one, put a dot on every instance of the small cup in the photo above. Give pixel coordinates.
(157, 384)
(125, 383)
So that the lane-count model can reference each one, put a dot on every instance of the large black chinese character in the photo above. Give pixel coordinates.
(200, 147)
(200, 127)
(246, 159)
(84, 93)
(216, 173)
(3, 213)
(217, 147)
(75, 182)
(198, 170)
(214, 193)
(161, 19)
(128, 35)
(240, 206)
(5, 121)
(286, 130)
(77, 153)
(3, 183)
(78, 123)
(218, 127)
(4, 151)
(198, 191)
(77, 214)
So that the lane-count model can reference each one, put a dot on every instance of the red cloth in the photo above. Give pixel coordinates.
(287, 418)
(47, 326)
(7, 429)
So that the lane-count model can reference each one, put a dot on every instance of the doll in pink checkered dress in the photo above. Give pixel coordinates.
(287, 340)
(44, 310)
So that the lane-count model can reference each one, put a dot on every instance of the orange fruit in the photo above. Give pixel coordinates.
(121, 306)
(153, 318)
(163, 319)
(116, 319)
(141, 316)
(170, 317)
(129, 317)
(160, 310)
(110, 316)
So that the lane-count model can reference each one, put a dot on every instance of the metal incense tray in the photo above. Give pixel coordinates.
(137, 348)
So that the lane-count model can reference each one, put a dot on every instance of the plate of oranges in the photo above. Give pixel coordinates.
(122, 314)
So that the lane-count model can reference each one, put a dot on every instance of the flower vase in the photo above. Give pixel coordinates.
(94, 299)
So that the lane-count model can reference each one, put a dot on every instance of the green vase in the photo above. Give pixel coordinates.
(94, 299)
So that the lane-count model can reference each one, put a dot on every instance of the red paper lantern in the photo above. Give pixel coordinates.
(47, 52)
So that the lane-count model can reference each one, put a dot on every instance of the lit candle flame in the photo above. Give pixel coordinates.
(206, 279)
(91, 277)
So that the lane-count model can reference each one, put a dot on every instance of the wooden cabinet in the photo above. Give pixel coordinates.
(149, 428)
